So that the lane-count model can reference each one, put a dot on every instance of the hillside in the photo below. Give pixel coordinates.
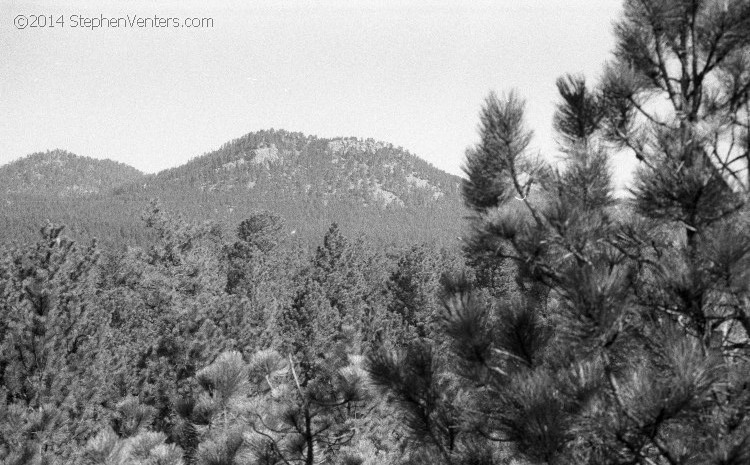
(368, 187)
(58, 173)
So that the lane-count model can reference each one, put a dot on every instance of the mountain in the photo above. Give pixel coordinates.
(58, 173)
(368, 187)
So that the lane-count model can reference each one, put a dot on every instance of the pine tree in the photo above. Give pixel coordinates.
(259, 270)
(639, 352)
(48, 338)
(413, 286)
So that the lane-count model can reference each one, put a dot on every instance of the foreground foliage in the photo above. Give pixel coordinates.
(630, 344)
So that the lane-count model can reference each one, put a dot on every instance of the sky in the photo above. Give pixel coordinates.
(411, 73)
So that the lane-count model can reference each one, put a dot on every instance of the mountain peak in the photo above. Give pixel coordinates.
(62, 174)
(294, 165)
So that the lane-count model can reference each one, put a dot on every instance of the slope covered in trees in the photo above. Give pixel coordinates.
(59, 174)
(366, 186)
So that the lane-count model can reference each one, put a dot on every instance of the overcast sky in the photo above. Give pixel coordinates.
(410, 73)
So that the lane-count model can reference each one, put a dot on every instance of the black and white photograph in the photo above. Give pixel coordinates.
(375, 232)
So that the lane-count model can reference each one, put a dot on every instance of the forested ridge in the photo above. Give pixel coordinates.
(369, 187)
(58, 173)
(570, 327)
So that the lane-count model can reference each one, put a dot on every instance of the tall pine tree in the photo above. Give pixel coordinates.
(638, 353)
